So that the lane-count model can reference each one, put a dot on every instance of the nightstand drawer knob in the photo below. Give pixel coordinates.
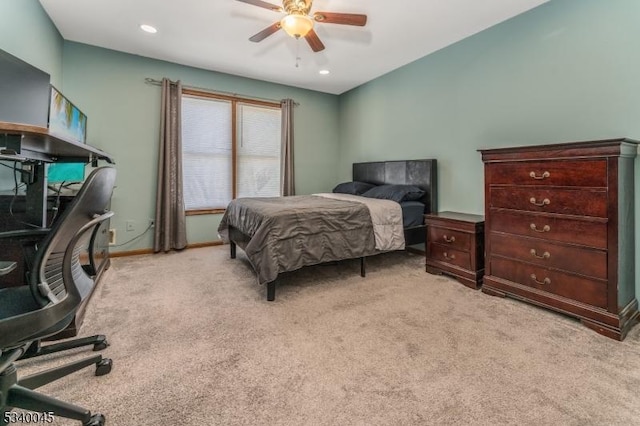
(545, 255)
(446, 256)
(542, 176)
(546, 281)
(542, 203)
(545, 228)
(449, 239)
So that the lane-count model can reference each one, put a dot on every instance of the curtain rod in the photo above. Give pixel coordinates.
(155, 82)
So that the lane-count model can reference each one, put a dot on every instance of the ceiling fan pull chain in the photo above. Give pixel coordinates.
(297, 52)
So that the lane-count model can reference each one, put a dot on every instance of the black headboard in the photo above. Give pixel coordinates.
(421, 173)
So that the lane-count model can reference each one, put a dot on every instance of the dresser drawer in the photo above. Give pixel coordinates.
(579, 202)
(454, 239)
(446, 254)
(545, 253)
(588, 233)
(584, 290)
(591, 173)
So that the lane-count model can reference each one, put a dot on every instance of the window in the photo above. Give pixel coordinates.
(231, 148)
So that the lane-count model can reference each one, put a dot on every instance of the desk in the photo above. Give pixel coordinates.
(34, 147)
(36, 143)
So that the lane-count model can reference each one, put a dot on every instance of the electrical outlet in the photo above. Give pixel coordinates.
(130, 225)
(112, 236)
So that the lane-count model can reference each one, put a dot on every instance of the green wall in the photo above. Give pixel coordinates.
(28, 33)
(565, 71)
(124, 119)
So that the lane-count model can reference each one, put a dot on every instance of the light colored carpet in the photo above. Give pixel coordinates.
(195, 342)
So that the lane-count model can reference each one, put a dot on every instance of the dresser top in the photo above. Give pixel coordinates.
(461, 217)
(597, 148)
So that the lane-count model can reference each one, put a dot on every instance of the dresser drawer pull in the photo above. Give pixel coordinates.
(543, 176)
(546, 281)
(449, 240)
(543, 203)
(545, 255)
(545, 228)
(446, 256)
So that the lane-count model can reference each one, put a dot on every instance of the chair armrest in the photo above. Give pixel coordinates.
(6, 267)
(20, 234)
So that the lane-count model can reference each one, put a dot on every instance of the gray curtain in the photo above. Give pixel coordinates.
(170, 225)
(287, 184)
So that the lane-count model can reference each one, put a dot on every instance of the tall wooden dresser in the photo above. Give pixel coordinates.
(559, 229)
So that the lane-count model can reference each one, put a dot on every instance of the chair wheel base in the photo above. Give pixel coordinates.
(101, 343)
(96, 420)
(104, 366)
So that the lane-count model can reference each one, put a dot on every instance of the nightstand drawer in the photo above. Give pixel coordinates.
(447, 237)
(592, 173)
(588, 233)
(446, 254)
(584, 261)
(580, 202)
(573, 287)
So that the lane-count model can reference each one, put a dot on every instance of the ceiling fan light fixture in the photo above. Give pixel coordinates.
(297, 25)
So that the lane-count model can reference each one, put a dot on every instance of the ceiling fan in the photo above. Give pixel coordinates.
(299, 23)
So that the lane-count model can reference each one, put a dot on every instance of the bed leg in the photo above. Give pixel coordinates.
(271, 291)
(232, 247)
(362, 271)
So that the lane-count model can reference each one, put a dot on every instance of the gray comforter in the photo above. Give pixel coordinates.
(288, 233)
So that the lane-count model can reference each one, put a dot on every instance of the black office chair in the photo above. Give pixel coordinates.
(30, 240)
(47, 305)
(98, 341)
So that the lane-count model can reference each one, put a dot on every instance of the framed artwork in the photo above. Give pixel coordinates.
(65, 119)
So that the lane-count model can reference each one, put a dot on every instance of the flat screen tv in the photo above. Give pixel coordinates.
(65, 119)
(65, 173)
(24, 92)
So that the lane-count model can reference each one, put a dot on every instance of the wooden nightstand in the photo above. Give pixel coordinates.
(455, 246)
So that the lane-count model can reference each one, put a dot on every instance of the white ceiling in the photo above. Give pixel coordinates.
(214, 35)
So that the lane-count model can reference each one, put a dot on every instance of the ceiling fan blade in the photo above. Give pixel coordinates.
(341, 18)
(263, 4)
(266, 32)
(314, 41)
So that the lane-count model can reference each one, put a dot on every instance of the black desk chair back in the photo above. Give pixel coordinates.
(56, 285)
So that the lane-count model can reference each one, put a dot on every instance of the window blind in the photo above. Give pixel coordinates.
(207, 153)
(258, 151)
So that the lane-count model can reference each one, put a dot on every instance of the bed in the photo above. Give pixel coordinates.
(283, 234)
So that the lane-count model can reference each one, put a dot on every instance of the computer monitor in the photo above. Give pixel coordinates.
(65, 172)
(65, 119)
(24, 92)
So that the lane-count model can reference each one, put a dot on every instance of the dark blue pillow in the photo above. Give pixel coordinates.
(354, 188)
(397, 193)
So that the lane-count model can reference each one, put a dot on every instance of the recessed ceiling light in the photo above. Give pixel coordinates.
(148, 28)
(324, 72)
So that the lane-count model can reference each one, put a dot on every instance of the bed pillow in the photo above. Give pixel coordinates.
(354, 188)
(397, 193)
